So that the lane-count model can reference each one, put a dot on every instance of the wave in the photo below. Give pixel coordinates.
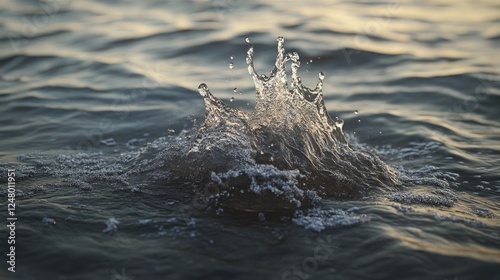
(286, 154)
(288, 147)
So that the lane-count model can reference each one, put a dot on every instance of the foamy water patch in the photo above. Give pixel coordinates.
(317, 219)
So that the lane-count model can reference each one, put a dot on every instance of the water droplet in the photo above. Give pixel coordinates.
(359, 121)
(356, 112)
(310, 60)
(262, 217)
(202, 89)
(235, 89)
(231, 65)
(231, 99)
(170, 132)
(281, 39)
(247, 40)
(321, 75)
(339, 122)
(231, 57)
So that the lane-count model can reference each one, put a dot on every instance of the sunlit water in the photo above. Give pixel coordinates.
(385, 168)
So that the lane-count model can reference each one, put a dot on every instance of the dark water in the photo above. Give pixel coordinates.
(99, 99)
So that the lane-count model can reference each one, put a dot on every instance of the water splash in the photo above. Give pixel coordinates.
(288, 146)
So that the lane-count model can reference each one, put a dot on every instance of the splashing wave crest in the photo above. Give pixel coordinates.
(285, 152)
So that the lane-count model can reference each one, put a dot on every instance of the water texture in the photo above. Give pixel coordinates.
(368, 149)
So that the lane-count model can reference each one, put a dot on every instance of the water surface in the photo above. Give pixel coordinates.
(100, 97)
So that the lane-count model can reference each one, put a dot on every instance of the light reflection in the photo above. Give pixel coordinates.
(418, 239)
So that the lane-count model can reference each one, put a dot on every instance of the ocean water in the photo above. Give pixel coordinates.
(127, 168)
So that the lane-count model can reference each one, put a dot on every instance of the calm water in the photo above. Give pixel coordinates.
(96, 95)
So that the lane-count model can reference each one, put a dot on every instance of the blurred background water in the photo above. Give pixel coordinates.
(416, 81)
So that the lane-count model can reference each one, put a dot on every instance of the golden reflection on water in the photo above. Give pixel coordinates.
(424, 29)
(418, 239)
(455, 35)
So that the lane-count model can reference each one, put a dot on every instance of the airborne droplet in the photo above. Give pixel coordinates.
(202, 89)
(231, 65)
(321, 76)
(356, 112)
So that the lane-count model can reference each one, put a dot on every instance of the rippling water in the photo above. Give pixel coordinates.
(100, 106)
